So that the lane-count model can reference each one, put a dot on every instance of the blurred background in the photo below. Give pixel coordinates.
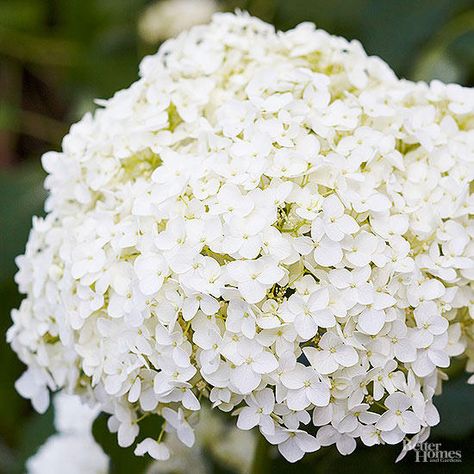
(57, 55)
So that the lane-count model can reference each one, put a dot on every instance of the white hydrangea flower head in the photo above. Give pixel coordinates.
(79, 454)
(73, 420)
(164, 19)
(71, 415)
(271, 221)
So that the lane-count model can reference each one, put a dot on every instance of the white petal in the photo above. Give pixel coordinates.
(306, 442)
(322, 415)
(245, 379)
(340, 278)
(305, 326)
(190, 401)
(387, 421)
(248, 418)
(324, 318)
(297, 399)
(346, 356)
(347, 424)
(266, 400)
(398, 401)
(328, 253)
(409, 423)
(438, 357)
(346, 445)
(126, 435)
(405, 351)
(371, 321)
(318, 394)
(290, 450)
(322, 361)
(252, 291)
(186, 435)
(393, 436)
(422, 365)
(265, 363)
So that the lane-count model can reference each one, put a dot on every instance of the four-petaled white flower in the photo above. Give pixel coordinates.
(398, 414)
(331, 354)
(254, 277)
(305, 388)
(260, 407)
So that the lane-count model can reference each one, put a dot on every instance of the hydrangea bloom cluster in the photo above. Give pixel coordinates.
(166, 18)
(73, 422)
(269, 220)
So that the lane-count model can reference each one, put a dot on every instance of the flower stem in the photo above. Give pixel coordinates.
(261, 460)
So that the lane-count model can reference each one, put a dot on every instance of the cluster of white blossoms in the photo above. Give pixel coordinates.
(73, 447)
(217, 439)
(269, 220)
(230, 447)
(166, 18)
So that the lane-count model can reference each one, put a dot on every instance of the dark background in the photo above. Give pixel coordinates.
(57, 55)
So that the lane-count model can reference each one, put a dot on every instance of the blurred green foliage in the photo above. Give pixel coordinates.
(57, 55)
(402, 32)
